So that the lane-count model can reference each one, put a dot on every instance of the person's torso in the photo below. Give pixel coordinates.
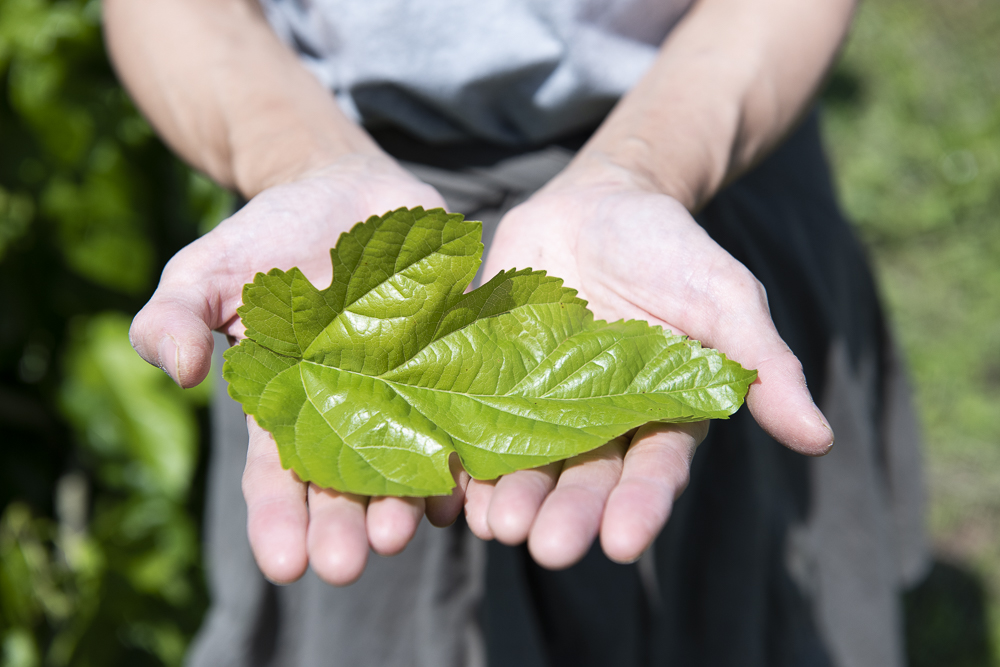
(504, 71)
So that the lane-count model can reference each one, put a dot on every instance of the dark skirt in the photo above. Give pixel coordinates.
(770, 559)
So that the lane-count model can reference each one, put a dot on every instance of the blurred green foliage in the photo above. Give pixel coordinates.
(99, 553)
(913, 126)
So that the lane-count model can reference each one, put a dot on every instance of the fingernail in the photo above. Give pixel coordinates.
(169, 355)
(825, 424)
(629, 561)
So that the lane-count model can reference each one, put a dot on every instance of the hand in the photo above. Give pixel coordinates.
(635, 254)
(291, 524)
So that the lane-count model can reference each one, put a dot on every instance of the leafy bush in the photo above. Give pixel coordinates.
(99, 534)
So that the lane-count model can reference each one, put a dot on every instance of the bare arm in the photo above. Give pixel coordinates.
(729, 83)
(235, 102)
(225, 93)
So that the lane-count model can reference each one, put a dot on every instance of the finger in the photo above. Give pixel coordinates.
(174, 330)
(478, 495)
(740, 324)
(338, 541)
(516, 501)
(277, 517)
(443, 510)
(654, 472)
(392, 523)
(781, 403)
(569, 519)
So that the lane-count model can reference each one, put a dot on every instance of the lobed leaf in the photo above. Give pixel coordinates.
(369, 385)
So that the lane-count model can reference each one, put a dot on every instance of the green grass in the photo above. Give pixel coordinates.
(913, 127)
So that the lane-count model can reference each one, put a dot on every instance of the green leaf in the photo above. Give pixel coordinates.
(370, 385)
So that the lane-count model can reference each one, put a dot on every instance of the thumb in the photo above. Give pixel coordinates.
(781, 403)
(174, 332)
(779, 400)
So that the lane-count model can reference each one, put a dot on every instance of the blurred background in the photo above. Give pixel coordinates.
(102, 458)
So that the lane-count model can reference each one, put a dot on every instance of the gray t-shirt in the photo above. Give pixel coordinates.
(506, 71)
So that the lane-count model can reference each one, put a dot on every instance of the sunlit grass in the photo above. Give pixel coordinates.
(913, 126)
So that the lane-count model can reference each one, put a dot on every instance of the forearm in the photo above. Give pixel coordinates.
(728, 83)
(225, 93)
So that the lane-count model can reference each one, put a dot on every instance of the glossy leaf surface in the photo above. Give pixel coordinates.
(369, 385)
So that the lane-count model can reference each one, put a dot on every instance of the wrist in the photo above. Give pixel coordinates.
(265, 158)
(355, 185)
(673, 153)
(678, 131)
(597, 171)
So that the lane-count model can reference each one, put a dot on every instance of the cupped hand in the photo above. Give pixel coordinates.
(635, 254)
(291, 524)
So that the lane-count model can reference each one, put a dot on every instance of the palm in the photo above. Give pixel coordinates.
(632, 256)
(290, 524)
(289, 225)
(635, 255)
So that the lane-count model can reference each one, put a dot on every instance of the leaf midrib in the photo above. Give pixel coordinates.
(476, 397)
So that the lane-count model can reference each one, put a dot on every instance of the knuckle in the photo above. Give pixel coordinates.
(747, 290)
(759, 293)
